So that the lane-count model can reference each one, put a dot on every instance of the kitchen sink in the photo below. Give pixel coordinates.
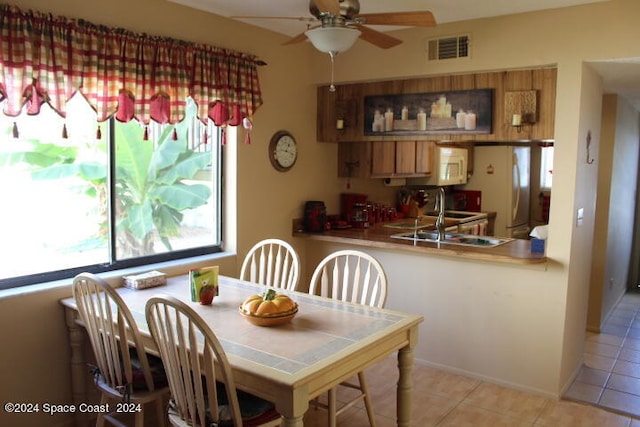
(458, 214)
(412, 225)
(453, 238)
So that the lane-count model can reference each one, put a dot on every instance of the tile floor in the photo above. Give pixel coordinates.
(611, 378)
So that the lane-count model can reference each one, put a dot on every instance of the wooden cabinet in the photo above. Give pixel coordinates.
(406, 158)
(392, 159)
(383, 159)
(401, 159)
(424, 158)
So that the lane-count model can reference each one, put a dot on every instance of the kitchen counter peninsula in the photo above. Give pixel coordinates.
(516, 251)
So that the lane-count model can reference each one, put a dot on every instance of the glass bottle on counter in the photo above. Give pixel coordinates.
(360, 216)
(371, 213)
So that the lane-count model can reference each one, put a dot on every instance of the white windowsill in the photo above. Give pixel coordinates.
(171, 268)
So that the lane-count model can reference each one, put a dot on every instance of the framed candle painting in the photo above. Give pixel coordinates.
(453, 112)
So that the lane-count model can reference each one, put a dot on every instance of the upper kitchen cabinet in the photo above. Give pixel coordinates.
(341, 113)
(401, 159)
(414, 158)
(383, 159)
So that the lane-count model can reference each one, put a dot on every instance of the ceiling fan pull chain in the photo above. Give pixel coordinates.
(332, 54)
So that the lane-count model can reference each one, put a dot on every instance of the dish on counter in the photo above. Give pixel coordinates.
(340, 226)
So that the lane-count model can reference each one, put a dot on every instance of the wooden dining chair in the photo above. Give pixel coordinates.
(189, 350)
(355, 277)
(124, 372)
(272, 262)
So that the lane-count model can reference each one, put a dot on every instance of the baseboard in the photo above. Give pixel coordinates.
(484, 378)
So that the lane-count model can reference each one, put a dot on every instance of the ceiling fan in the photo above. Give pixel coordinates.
(341, 24)
(341, 15)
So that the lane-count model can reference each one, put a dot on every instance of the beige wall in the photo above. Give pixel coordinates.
(605, 164)
(548, 306)
(575, 294)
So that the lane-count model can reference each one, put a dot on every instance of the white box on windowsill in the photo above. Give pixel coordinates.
(145, 280)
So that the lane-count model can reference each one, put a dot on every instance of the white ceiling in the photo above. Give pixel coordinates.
(621, 77)
(443, 10)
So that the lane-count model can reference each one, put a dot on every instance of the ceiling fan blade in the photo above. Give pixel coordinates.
(377, 38)
(411, 19)
(296, 39)
(331, 6)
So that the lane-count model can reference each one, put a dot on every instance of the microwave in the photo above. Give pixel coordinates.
(449, 168)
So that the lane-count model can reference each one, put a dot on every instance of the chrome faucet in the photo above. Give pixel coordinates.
(415, 229)
(440, 197)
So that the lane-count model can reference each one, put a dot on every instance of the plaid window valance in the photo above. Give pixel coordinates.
(44, 58)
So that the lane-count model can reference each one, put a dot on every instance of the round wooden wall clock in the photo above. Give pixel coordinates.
(283, 151)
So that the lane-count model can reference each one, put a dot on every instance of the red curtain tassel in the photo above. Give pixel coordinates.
(16, 134)
(205, 137)
(247, 138)
(146, 134)
(99, 133)
(224, 137)
(175, 134)
(65, 135)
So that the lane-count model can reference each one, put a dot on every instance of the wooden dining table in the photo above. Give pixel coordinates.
(327, 342)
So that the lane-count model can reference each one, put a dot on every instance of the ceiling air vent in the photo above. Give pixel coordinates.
(448, 48)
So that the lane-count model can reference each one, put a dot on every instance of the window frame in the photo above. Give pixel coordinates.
(115, 264)
(546, 166)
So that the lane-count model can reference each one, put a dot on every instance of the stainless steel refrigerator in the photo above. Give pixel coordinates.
(502, 174)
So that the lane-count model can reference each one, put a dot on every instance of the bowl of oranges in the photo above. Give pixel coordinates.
(268, 309)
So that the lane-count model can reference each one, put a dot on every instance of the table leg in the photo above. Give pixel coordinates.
(78, 365)
(405, 386)
(333, 405)
(292, 405)
(292, 422)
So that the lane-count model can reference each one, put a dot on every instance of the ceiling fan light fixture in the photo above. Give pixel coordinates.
(333, 39)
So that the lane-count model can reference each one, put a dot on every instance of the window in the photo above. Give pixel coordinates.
(546, 167)
(74, 202)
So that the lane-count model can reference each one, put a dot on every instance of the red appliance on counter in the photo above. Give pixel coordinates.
(354, 209)
(315, 216)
